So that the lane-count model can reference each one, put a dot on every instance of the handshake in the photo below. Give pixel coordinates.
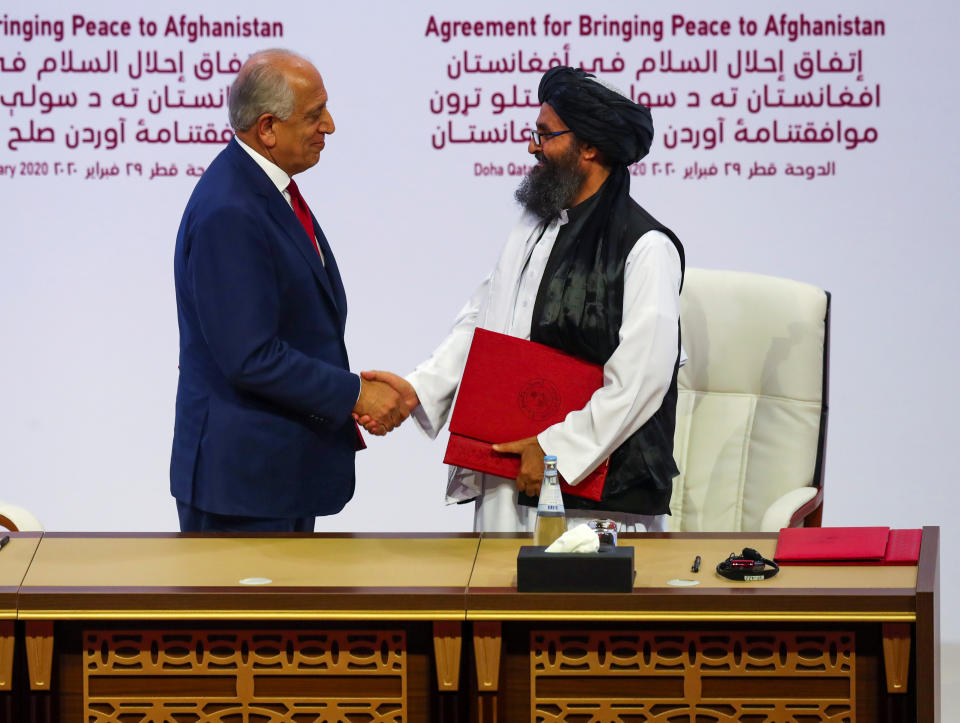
(385, 401)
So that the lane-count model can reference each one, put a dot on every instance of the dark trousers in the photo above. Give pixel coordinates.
(193, 519)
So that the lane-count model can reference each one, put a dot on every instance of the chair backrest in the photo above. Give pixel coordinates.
(752, 399)
(17, 519)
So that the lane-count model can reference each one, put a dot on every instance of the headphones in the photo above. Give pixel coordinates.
(749, 566)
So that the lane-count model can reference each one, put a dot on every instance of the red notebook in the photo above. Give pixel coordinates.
(512, 389)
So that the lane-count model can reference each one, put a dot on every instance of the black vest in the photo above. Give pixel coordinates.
(579, 310)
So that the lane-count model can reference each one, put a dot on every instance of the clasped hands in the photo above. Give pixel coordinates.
(386, 399)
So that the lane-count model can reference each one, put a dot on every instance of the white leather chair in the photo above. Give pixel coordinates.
(17, 519)
(752, 403)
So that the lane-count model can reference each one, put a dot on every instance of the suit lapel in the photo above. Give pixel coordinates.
(287, 220)
(328, 278)
(333, 274)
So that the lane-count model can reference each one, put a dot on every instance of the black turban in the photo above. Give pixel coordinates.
(619, 128)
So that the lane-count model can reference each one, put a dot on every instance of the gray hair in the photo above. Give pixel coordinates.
(260, 87)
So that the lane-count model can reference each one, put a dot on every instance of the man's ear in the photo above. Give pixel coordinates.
(589, 153)
(266, 131)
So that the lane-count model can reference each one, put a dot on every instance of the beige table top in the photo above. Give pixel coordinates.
(168, 576)
(390, 577)
(798, 592)
(15, 558)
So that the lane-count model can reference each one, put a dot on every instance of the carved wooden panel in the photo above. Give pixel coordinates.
(487, 641)
(896, 656)
(38, 639)
(336, 676)
(709, 677)
(447, 641)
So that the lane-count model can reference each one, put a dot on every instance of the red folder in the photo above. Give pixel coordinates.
(848, 546)
(903, 547)
(512, 389)
(803, 545)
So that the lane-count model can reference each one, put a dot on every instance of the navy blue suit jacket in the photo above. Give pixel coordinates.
(263, 425)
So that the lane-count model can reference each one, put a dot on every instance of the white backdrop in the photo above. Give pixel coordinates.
(87, 312)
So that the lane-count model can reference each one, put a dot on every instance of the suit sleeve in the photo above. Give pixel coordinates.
(637, 375)
(234, 282)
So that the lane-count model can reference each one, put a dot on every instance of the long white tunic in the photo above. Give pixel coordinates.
(636, 377)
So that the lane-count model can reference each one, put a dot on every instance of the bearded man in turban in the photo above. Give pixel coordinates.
(588, 271)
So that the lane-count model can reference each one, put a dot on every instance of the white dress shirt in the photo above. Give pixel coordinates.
(279, 178)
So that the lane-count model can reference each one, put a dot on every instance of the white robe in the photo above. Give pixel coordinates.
(636, 377)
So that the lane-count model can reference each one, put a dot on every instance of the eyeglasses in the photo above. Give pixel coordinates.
(540, 138)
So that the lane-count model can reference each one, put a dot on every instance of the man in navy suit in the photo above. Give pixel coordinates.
(265, 436)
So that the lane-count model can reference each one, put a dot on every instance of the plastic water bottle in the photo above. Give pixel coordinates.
(551, 517)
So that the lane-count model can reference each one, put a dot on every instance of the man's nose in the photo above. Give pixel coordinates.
(327, 125)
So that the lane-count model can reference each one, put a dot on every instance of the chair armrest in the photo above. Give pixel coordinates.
(17, 519)
(778, 514)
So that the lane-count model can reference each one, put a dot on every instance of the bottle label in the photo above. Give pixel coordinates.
(550, 503)
(550, 510)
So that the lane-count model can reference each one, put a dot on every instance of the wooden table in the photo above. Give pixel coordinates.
(370, 626)
(319, 626)
(818, 641)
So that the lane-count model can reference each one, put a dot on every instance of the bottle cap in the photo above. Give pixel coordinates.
(550, 458)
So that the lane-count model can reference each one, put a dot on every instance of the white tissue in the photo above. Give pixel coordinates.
(578, 539)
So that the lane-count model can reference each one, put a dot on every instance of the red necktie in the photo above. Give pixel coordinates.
(303, 213)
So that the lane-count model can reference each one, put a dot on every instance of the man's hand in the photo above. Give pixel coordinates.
(404, 390)
(531, 463)
(381, 405)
